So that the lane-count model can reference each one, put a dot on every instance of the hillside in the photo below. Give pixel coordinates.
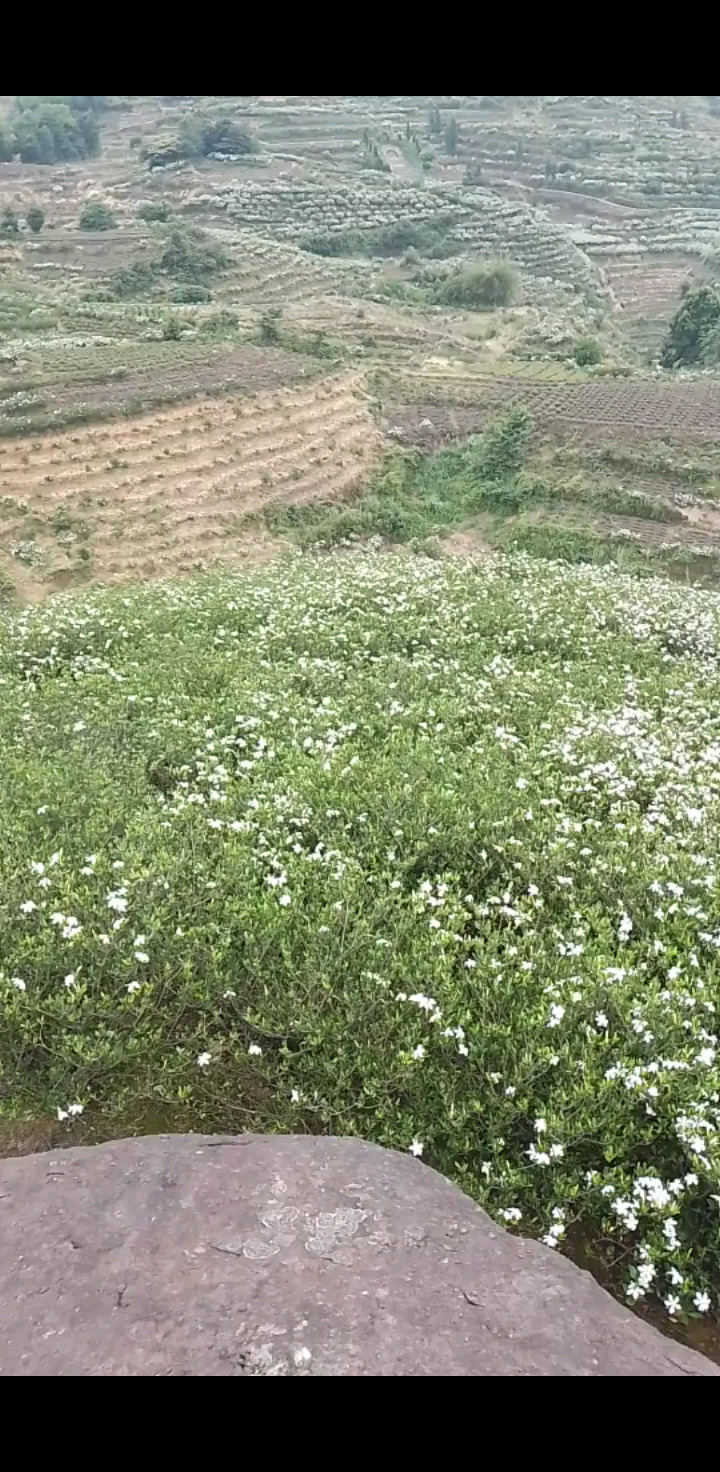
(360, 584)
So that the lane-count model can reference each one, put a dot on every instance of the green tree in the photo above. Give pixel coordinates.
(97, 216)
(9, 222)
(35, 219)
(48, 130)
(451, 138)
(7, 142)
(697, 315)
(435, 121)
(486, 284)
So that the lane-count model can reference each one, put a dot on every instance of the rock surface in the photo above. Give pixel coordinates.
(285, 1255)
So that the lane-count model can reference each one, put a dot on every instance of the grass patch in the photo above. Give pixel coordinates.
(401, 849)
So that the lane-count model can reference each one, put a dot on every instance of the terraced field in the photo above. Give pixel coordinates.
(81, 384)
(177, 489)
(655, 410)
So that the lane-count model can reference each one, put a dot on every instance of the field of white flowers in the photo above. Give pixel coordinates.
(415, 850)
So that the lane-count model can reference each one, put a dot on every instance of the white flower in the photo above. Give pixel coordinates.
(540, 1126)
(116, 900)
(255, 1051)
(418, 1052)
(70, 1112)
(285, 899)
(295, 1096)
(557, 1151)
(416, 1148)
(142, 957)
(27, 907)
(510, 1091)
(203, 1060)
(672, 1304)
(71, 978)
(702, 1302)
(228, 993)
(601, 1020)
(511, 1214)
(706, 1056)
(556, 1015)
(301, 1357)
(675, 1278)
(537, 1157)
(133, 986)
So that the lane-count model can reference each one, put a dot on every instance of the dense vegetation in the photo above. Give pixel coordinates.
(483, 285)
(694, 333)
(419, 852)
(49, 130)
(200, 136)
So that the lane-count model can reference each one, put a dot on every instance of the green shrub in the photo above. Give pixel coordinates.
(172, 329)
(191, 292)
(269, 331)
(35, 219)
(479, 287)
(133, 281)
(97, 216)
(498, 454)
(189, 255)
(587, 352)
(154, 212)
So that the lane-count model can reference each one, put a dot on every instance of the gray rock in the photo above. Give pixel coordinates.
(287, 1255)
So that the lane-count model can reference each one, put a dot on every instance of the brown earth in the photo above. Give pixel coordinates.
(657, 410)
(214, 370)
(177, 489)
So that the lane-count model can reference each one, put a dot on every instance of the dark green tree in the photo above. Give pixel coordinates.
(451, 138)
(697, 315)
(435, 121)
(9, 223)
(7, 142)
(35, 219)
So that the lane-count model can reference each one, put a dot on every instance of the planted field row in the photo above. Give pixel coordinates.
(173, 488)
(483, 221)
(682, 409)
(242, 370)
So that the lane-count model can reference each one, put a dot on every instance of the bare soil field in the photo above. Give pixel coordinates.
(177, 489)
(100, 392)
(682, 410)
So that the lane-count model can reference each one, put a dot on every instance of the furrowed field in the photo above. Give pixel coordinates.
(388, 846)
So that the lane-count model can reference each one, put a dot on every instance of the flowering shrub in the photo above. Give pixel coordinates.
(421, 852)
